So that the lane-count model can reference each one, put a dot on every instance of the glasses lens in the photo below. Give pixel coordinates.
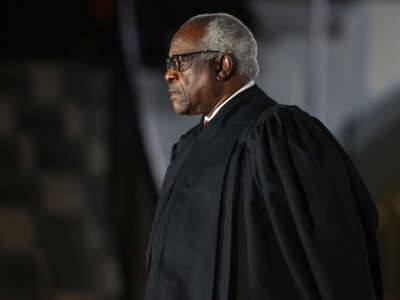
(177, 63)
(168, 63)
(174, 62)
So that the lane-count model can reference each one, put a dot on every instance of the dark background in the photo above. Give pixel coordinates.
(77, 186)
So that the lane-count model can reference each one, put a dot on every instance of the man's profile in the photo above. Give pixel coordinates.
(259, 200)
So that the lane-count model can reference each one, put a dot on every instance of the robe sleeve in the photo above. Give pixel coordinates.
(320, 211)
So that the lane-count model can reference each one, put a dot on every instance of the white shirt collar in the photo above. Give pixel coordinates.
(245, 87)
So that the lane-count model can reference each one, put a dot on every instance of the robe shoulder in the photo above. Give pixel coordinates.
(320, 210)
(290, 140)
(295, 124)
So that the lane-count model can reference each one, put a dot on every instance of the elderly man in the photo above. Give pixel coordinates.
(259, 200)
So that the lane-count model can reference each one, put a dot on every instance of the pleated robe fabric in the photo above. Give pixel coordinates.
(262, 203)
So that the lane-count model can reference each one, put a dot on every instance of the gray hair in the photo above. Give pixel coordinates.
(228, 34)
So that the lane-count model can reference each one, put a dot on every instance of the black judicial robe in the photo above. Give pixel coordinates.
(262, 203)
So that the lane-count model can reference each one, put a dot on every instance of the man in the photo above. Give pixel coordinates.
(259, 201)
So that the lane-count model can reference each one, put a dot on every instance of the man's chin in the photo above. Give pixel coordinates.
(180, 112)
(180, 108)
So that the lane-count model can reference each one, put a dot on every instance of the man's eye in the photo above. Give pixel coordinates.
(184, 63)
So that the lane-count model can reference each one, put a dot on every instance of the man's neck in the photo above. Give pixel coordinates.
(225, 100)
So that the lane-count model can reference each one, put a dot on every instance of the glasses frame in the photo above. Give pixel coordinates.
(176, 59)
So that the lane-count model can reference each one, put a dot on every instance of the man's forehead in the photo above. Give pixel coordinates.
(186, 38)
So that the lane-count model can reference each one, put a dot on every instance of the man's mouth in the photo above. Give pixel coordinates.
(172, 91)
(174, 94)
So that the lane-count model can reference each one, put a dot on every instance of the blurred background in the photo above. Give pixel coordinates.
(86, 125)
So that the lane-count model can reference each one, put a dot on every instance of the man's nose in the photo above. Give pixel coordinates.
(171, 75)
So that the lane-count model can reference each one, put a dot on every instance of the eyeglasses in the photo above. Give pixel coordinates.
(179, 61)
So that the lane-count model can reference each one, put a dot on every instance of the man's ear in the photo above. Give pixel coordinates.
(224, 67)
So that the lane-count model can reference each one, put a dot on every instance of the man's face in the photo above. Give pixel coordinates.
(193, 90)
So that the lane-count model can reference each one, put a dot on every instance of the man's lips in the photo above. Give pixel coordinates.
(173, 91)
